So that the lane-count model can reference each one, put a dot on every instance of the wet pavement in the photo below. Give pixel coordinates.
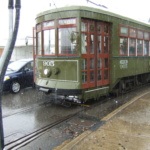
(127, 128)
(98, 127)
(29, 111)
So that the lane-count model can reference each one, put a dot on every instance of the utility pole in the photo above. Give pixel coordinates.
(6, 55)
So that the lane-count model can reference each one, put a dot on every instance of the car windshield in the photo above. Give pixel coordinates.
(15, 66)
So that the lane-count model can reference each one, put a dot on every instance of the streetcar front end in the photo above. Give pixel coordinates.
(59, 77)
(57, 59)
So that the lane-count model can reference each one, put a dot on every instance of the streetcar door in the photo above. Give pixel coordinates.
(103, 40)
(95, 53)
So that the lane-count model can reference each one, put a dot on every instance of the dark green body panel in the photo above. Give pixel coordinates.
(128, 66)
(120, 66)
(66, 78)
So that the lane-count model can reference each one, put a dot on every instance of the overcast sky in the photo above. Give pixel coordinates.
(29, 9)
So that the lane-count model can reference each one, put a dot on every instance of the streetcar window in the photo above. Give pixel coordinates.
(106, 62)
(84, 64)
(140, 34)
(99, 28)
(84, 26)
(67, 21)
(91, 76)
(124, 31)
(92, 63)
(49, 42)
(99, 63)
(65, 44)
(92, 44)
(92, 28)
(132, 32)
(84, 43)
(99, 75)
(99, 46)
(84, 77)
(123, 46)
(48, 24)
(138, 42)
(39, 44)
(106, 29)
(38, 27)
(84, 70)
(146, 47)
(146, 35)
(132, 46)
(106, 44)
(139, 47)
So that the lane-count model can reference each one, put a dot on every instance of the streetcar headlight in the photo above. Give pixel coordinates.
(6, 78)
(47, 72)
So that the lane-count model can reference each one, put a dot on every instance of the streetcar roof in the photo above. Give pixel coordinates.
(92, 9)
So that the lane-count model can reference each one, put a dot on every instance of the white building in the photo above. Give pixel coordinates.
(21, 50)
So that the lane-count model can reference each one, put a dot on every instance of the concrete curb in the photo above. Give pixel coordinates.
(68, 145)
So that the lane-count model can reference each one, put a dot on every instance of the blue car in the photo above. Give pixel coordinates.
(19, 75)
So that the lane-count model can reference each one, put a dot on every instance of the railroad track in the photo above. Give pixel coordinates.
(16, 144)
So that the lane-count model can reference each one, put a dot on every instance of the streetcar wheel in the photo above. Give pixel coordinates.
(15, 87)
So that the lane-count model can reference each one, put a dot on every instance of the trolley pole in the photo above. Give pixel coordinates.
(6, 55)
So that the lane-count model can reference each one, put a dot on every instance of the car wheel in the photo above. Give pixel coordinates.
(15, 87)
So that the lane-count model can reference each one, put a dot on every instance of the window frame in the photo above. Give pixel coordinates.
(136, 37)
(39, 31)
(66, 26)
(48, 28)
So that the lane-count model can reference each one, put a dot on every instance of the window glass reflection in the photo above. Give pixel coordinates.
(146, 35)
(92, 63)
(99, 75)
(139, 47)
(84, 43)
(65, 44)
(49, 42)
(84, 77)
(140, 34)
(99, 63)
(132, 46)
(123, 46)
(84, 64)
(106, 29)
(92, 44)
(99, 28)
(106, 62)
(106, 42)
(84, 26)
(39, 46)
(91, 76)
(146, 47)
(124, 31)
(67, 21)
(99, 46)
(133, 32)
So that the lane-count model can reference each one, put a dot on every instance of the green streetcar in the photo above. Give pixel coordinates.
(83, 53)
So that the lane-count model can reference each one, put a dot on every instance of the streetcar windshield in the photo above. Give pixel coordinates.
(57, 37)
(49, 42)
(66, 46)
